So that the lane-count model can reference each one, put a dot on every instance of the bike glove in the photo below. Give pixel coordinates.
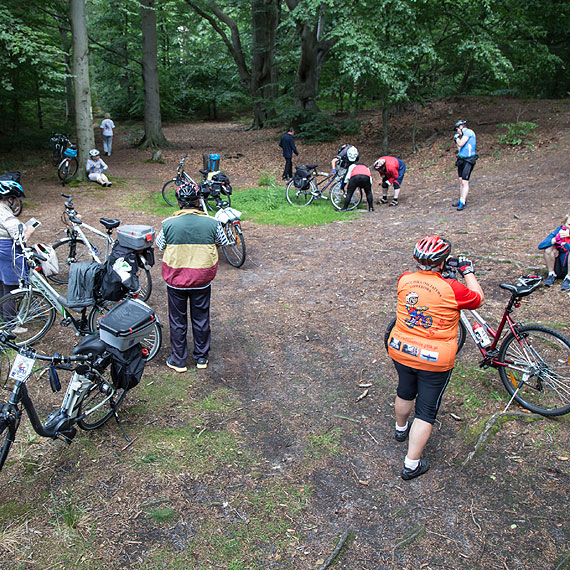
(334, 171)
(385, 184)
(465, 266)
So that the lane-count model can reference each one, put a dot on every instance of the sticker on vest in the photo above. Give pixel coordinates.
(395, 344)
(410, 349)
(429, 355)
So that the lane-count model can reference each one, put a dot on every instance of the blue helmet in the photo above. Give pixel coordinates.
(11, 188)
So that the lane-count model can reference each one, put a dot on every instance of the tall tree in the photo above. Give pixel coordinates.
(153, 135)
(83, 113)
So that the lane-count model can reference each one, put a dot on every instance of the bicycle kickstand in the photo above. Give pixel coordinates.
(121, 426)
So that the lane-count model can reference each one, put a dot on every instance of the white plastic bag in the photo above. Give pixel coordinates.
(50, 266)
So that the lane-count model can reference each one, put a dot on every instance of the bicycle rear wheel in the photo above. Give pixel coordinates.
(169, 193)
(28, 313)
(537, 370)
(15, 204)
(145, 282)
(461, 334)
(68, 251)
(235, 251)
(9, 423)
(151, 343)
(99, 404)
(338, 195)
(298, 197)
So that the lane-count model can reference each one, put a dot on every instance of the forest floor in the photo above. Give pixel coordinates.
(266, 458)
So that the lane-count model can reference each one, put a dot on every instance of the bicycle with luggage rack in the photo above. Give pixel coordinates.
(11, 188)
(91, 397)
(76, 246)
(309, 184)
(64, 156)
(533, 361)
(30, 310)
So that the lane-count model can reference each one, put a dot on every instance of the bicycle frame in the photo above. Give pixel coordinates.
(77, 232)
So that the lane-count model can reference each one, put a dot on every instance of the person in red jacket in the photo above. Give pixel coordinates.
(392, 171)
(358, 176)
(423, 343)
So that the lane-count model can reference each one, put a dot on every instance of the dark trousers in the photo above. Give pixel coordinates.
(178, 320)
(359, 181)
(8, 309)
(288, 170)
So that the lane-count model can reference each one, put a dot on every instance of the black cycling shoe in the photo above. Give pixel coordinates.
(402, 435)
(423, 467)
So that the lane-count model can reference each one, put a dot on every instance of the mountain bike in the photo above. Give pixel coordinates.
(533, 361)
(211, 189)
(64, 155)
(312, 185)
(30, 310)
(89, 401)
(77, 247)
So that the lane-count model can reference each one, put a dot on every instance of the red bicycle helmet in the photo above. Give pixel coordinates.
(432, 250)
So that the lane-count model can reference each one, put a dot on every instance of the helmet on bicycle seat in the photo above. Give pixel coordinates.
(94, 153)
(460, 123)
(431, 251)
(187, 194)
(352, 154)
(11, 189)
(379, 164)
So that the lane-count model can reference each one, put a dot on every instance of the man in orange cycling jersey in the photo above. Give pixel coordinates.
(423, 342)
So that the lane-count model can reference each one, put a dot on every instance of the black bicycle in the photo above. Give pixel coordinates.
(64, 156)
(90, 400)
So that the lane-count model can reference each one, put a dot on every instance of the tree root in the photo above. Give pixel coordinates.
(337, 550)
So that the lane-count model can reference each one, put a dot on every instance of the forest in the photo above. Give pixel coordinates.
(311, 63)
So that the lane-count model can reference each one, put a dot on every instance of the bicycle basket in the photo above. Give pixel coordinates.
(70, 151)
(301, 178)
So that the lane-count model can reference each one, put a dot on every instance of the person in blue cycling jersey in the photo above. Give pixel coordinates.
(466, 142)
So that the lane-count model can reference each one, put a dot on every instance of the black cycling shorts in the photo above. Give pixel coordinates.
(425, 386)
(464, 168)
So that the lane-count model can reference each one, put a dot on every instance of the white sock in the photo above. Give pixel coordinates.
(398, 428)
(411, 463)
(552, 273)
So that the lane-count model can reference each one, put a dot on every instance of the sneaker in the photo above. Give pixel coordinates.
(461, 206)
(19, 330)
(549, 281)
(370, 209)
(109, 184)
(382, 200)
(179, 369)
(423, 467)
(565, 284)
(456, 203)
(202, 363)
(402, 435)
(394, 202)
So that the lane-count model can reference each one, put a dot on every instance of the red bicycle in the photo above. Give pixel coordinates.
(533, 361)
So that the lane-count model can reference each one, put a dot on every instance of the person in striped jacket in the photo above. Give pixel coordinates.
(189, 265)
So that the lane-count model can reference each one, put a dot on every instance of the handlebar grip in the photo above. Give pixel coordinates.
(65, 195)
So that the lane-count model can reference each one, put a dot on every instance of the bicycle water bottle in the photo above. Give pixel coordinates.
(480, 331)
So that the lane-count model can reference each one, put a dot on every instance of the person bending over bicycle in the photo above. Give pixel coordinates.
(96, 167)
(423, 342)
(347, 155)
(358, 176)
(556, 251)
(391, 170)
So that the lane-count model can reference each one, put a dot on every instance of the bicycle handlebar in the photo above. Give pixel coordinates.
(6, 338)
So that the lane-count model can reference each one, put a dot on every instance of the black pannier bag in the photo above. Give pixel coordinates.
(222, 183)
(127, 366)
(301, 177)
(112, 287)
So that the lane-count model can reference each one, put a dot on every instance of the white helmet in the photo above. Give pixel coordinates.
(352, 154)
(379, 164)
(94, 153)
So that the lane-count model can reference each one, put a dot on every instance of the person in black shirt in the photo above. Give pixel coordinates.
(287, 143)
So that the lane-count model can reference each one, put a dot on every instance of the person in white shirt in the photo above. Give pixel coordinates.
(96, 167)
(107, 127)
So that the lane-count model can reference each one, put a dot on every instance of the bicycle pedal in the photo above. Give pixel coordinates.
(66, 437)
(65, 322)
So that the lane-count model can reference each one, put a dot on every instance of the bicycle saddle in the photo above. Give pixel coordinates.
(204, 171)
(311, 166)
(110, 224)
(91, 344)
(521, 290)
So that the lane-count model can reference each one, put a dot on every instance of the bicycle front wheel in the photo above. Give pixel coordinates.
(68, 251)
(536, 369)
(169, 193)
(99, 404)
(338, 195)
(67, 170)
(150, 344)
(145, 282)
(461, 334)
(8, 427)
(298, 197)
(28, 314)
(235, 251)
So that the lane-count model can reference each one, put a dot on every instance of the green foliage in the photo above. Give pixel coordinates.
(517, 133)
(267, 179)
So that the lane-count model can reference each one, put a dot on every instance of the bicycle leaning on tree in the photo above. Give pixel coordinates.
(309, 184)
(64, 156)
(533, 361)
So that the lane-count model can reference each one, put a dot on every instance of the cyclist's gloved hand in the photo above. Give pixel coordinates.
(334, 170)
(465, 266)
(561, 235)
(456, 136)
(385, 184)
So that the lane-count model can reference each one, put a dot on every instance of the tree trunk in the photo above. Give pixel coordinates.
(153, 135)
(83, 113)
(69, 95)
(385, 114)
(39, 103)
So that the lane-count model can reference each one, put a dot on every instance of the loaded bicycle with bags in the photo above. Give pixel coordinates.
(103, 369)
(64, 156)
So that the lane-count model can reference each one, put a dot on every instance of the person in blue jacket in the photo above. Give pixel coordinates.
(466, 143)
(556, 251)
(287, 143)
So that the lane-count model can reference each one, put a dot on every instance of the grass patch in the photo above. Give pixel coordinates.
(326, 443)
(162, 516)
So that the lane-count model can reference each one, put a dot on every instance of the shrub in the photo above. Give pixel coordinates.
(517, 133)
